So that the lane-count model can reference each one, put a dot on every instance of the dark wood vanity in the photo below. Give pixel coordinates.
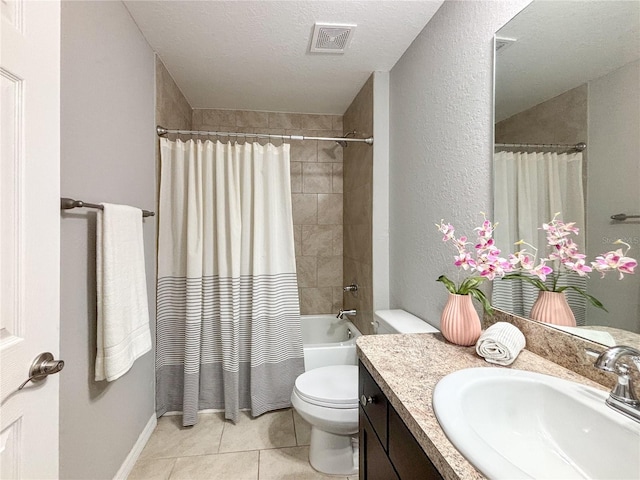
(388, 450)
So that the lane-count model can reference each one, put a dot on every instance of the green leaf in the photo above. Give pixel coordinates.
(594, 301)
(533, 281)
(447, 283)
(470, 283)
(480, 296)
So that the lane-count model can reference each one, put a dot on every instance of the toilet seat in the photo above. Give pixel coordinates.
(335, 386)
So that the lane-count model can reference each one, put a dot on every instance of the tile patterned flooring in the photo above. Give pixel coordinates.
(274, 446)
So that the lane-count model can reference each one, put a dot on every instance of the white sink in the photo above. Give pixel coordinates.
(514, 424)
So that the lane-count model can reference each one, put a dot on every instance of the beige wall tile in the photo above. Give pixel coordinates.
(284, 120)
(196, 117)
(359, 204)
(297, 239)
(316, 177)
(317, 240)
(307, 271)
(245, 118)
(330, 271)
(358, 170)
(239, 466)
(304, 150)
(359, 115)
(336, 178)
(562, 119)
(316, 122)
(172, 108)
(337, 299)
(338, 239)
(305, 209)
(316, 300)
(357, 242)
(330, 209)
(218, 118)
(296, 177)
(336, 122)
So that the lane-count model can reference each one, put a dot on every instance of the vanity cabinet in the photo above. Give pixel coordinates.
(388, 450)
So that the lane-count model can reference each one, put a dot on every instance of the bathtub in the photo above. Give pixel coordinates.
(327, 340)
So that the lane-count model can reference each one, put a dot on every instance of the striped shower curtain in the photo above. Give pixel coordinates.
(228, 321)
(529, 188)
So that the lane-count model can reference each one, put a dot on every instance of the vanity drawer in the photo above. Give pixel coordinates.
(406, 454)
(376, 409)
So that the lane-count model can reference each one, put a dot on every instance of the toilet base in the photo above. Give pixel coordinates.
(332, 454)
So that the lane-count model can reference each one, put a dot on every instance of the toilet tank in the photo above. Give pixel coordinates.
(399, 321)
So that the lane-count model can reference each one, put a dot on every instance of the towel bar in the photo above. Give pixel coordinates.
(621, 217)
(69, 203)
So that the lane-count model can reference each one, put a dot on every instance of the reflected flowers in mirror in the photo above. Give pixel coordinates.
(565, 258)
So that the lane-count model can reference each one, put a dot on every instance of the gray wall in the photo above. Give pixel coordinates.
(440, 146)
(107, 155)
(614, 173)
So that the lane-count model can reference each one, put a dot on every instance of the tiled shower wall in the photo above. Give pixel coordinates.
(358, 214)
(316, 187)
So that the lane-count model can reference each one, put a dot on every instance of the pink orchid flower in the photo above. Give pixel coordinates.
(615, 260)
(447, 229)
(542, 270)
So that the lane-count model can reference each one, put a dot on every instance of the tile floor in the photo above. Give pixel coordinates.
(274, 446)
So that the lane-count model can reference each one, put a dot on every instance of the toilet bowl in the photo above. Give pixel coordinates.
(327, 398)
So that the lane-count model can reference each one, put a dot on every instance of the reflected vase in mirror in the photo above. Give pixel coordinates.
(553, 308)
(459, 322)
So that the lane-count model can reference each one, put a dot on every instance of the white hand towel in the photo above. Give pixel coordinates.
(123, 312)
(500, 343)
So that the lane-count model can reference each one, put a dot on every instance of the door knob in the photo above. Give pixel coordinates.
(43, 366)
(364, 400)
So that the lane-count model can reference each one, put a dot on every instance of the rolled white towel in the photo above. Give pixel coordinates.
(500, 343)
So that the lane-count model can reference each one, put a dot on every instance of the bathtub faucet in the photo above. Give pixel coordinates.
(342, 313)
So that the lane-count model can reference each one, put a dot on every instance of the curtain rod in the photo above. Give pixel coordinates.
(162, 132)
(579, 147)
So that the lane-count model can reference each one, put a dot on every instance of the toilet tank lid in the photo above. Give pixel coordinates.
(403, 322)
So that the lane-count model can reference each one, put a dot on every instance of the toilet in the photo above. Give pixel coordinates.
(327, 398)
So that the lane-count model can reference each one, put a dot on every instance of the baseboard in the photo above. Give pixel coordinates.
(134, 454)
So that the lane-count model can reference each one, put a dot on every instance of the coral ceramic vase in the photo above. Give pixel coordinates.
(552, 307)
(460, 323)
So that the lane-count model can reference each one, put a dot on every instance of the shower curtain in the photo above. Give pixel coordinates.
(529, 188)
(228, 320)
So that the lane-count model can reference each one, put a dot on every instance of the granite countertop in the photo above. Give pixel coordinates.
(407, 368)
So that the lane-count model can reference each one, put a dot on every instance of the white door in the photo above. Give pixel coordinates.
(30, 234)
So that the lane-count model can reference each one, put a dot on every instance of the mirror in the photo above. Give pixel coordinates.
(568, 72)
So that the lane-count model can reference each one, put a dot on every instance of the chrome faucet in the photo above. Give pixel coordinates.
(622, 398)
(342, 313)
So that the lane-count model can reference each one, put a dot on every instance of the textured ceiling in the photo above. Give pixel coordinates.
(560, 45)
(254, 55)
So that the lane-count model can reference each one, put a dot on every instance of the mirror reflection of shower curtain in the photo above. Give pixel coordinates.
(529, 188)
(228, 320)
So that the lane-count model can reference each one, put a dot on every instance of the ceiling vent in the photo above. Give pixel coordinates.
(502, 43)
(331, 38)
